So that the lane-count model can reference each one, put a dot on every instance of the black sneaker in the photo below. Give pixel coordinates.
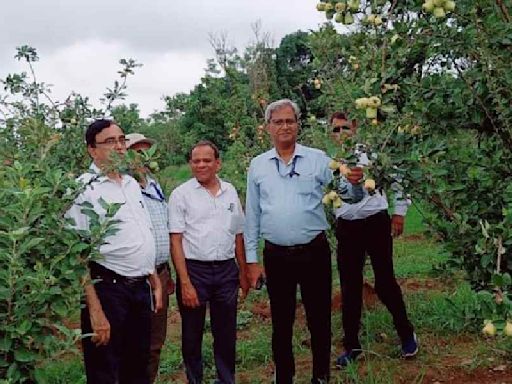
(410, 347)
(347, 357)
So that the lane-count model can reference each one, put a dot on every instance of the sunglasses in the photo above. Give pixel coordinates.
(341, 128)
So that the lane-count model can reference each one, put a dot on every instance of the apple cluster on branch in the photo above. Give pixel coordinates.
(341, 11)
(370, 105)
(439, 8)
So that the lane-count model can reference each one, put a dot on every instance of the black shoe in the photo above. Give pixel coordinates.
(316, 380)
(410, 347)
(347, 358)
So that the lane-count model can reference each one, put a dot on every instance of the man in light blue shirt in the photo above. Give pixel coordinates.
(284, 192)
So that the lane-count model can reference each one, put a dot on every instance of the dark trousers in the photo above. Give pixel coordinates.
(216, 283)
(310, 268)
(124, 360)
(356, 238)
(159, 324)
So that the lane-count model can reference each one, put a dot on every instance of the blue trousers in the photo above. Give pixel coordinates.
(124, 360)
(216, 283)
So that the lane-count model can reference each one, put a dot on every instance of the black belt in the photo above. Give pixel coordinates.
(100, 272)
(209, 262)
(320, 238)
(161, 267)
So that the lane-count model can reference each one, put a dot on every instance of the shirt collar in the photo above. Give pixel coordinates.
(101, 177)
(299, 152)
(152, 189)
(197, 184)
(94, 169)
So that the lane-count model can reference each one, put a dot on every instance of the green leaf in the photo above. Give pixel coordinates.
(5, 343)
(24, 356)
(24, 327)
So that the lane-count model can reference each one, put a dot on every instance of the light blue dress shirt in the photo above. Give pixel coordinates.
(284, 201)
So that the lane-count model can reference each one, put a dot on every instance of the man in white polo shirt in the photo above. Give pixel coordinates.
(206, 237)
(117, 310)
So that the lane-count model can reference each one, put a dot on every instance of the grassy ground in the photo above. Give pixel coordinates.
(441, 306)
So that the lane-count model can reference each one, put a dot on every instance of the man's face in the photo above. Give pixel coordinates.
(203, 164)
(342, 129)
(283, 126)
(141, 146)
(108, 140)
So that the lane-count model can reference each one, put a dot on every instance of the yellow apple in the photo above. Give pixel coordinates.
(371, 113)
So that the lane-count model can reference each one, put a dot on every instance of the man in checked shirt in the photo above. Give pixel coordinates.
(157, 207)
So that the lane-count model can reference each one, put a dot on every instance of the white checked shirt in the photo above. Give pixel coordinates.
(131, 251)
(159, 214)
(208, 223)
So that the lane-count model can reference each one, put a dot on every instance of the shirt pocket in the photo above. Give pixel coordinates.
(231, 217)
(306, 185)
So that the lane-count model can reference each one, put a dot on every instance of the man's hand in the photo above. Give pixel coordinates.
(189, 295)
(355, 175)
(100, 327)
(171, 286)
(156, 286)
(254, 271)
(244, 285)
(397, 225)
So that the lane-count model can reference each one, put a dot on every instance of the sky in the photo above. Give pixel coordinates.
(80, 42)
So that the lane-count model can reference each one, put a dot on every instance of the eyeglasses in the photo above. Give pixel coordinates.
(281, 122)
(113, 141)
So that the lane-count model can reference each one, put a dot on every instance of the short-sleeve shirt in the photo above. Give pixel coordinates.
(131, 250)
(209, 224)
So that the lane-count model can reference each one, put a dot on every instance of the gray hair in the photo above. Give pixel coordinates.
(281, 104)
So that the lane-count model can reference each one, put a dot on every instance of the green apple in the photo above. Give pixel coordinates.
(489, 329)
(371, 113)
(508, 329)
(361, 103)
(449, 6)
(153, 166)
(374, 102)
(354, 5)
(340, 7)
(428, 6)
(349, 19)
(339, 18)
(439, 13)
(320, 7)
